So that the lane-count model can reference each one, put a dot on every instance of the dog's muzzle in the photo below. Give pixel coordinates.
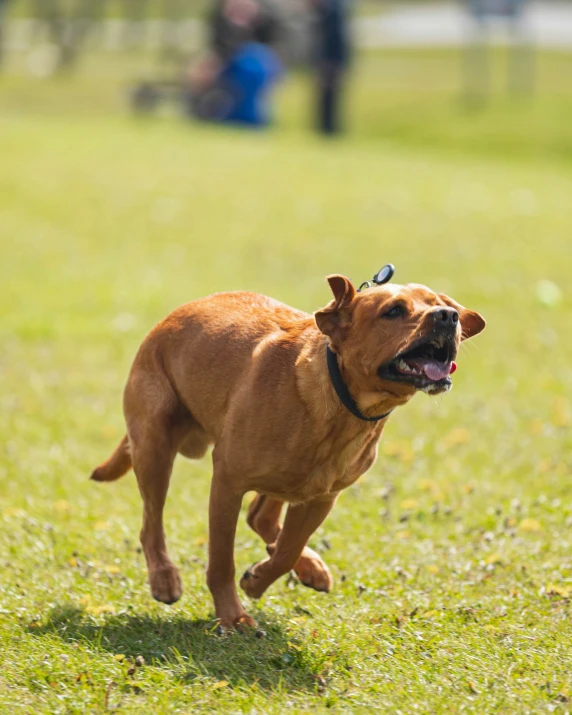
(429, 363)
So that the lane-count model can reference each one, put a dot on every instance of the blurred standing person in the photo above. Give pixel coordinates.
(333, 54)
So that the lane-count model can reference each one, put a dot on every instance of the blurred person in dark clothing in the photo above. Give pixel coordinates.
(231, 83)
(235, 23)
(333, 54)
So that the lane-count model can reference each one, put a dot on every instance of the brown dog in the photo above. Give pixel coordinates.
(294, 404)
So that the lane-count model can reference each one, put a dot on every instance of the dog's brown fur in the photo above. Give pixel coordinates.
(248, 375)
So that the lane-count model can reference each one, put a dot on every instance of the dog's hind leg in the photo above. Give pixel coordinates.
(156, 425)
(263, 517)
(153, 459)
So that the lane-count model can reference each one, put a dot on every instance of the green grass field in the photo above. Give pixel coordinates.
(452, 557)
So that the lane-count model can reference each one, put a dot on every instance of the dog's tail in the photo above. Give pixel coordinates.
(115, 466)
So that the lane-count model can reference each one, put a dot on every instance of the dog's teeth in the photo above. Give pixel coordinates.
(402, 365)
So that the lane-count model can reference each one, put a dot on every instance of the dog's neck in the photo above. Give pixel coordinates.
(320, 396)
(370, 402)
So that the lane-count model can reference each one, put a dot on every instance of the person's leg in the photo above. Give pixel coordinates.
(330, 90)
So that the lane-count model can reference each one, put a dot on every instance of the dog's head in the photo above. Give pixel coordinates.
(396, 339)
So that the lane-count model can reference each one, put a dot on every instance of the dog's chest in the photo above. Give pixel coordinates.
(340, 468)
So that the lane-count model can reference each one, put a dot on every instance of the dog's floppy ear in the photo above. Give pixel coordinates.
(334, 319)
(471, 323)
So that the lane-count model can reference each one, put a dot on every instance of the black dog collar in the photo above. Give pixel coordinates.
(342, 389)
(384, 275)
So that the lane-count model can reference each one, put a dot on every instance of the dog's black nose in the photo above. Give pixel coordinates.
(445, 317)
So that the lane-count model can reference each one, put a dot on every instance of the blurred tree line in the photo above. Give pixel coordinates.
(69, 24)
(70, 27)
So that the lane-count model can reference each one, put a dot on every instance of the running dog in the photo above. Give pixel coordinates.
(294, 404)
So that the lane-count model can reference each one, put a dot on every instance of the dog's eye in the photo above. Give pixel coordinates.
(395, 312)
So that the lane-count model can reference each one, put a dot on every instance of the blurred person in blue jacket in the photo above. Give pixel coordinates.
(233, 81)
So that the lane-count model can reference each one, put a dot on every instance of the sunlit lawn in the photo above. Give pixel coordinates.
(451, 557)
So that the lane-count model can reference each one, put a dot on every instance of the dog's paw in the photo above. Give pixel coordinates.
(251, 582)
(313, 572)
(166, 584)
(238, 622)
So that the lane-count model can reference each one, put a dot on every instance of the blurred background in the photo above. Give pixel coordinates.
(154, 151)
(472, 74)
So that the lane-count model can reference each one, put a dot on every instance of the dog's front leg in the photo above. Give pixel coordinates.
(300, 523)
(224, 509)
(264, 518)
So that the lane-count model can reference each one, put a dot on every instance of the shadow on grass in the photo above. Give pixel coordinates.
(189, 648)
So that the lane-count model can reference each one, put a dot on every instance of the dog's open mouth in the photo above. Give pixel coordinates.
(427, 366)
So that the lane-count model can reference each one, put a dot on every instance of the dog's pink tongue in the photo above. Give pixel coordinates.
(437, 370)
